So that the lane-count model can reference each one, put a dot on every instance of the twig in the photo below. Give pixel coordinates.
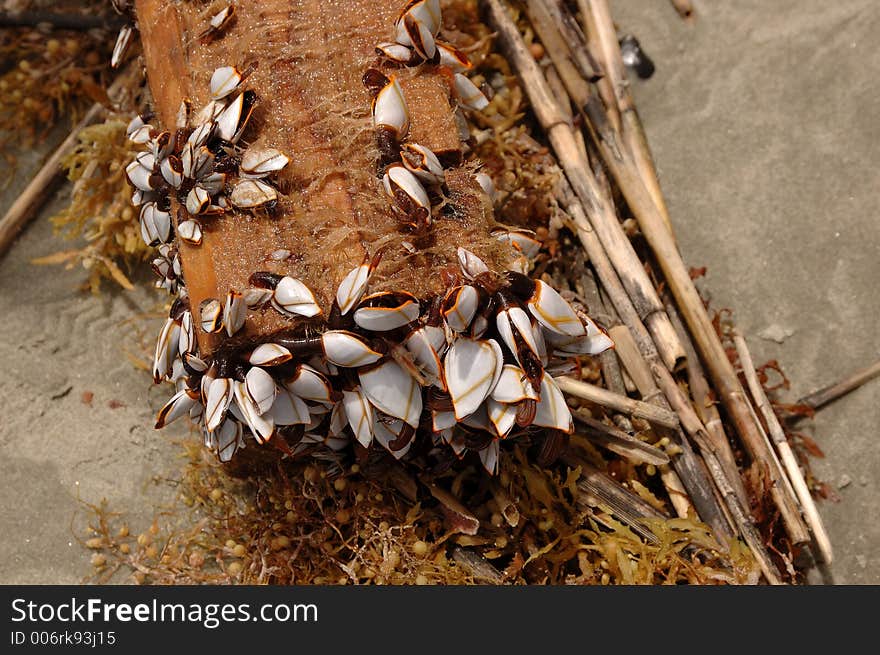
(795, 476)
(618, 441)
(633, 133)
(600, 490)
(40, 187)
(616, 402)
(38, 190)
(705, 406)
(822, 397)
(656, 232)
(596, 203)
(556, 12)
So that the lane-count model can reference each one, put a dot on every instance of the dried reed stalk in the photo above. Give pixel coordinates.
(822, 397)
(630, 124)
(601, 251)
(40, 188)
(620, 442)
(705, 406)
(616, 402)
(777, 434)
(656, 230)
(599, 206)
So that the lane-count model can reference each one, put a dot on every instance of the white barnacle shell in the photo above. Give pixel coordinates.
(224, 81)
(123, 40)
(489, 457)
(460, 306)
(425, 12)
(155, 224)
(422, 162)
(257, 163)
(197, 200)
(172, 171)
(269, 354)
(472, 368)
(288, 409)
(402, 308)
(234, 311)
(346, 349)
(250, 194)
(553, 312)
(397, 177)
(352, 287)
(359, 413)
(261, 389)
(552, 412)
(471, 265)
(523, 241)
(393, 391)
(390, 109)
(228, 440)
(310, 384)
(179, 405)
(511, 321)
(293, 297)
(190, 231)
(513, 386)
(211, 315)
(425, 344)
(219, 396)
(469, 95)
(166, 349)
(453, 58)
(139, 175)
(395, 52)
(262, 425)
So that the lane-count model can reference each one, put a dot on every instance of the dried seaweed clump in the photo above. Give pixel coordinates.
(298, 523)
(51, 76)
(100, 209)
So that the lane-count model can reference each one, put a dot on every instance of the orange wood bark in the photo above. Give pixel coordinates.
(310, 56)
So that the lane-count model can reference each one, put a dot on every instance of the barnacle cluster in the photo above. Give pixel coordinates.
(424, 378)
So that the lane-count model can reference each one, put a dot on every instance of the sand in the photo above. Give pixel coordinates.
(762, 117)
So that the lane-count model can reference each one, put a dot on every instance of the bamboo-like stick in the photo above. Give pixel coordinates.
(631, 125)
(616, 402)
(40, 188)
(678, 278)
(688, 468)
(477, 565)
(678, 495)
(705, 406)
(620, 442)
(600, 490)
(604, 86)
(738, 511)
(795, 476)
(581, 55)
(635, 365)
(589, 191)
(822, 397)
(600, 207)
(611, 371)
